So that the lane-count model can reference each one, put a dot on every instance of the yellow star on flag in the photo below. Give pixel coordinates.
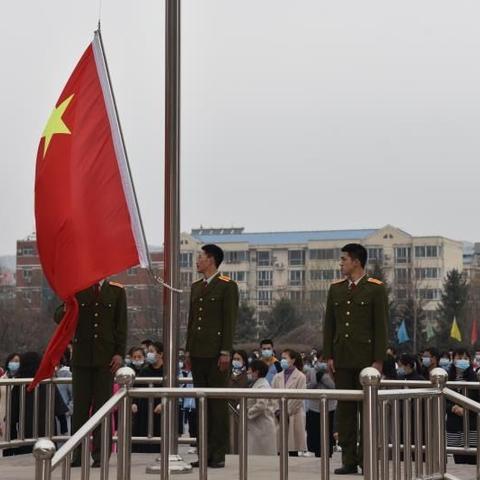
(56, 124)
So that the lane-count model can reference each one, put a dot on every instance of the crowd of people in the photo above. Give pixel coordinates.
(263, 368)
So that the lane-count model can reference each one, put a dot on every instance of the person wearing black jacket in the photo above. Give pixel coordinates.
(29, 363)
(461, 370)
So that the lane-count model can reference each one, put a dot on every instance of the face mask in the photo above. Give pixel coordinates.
(267, 353)
(426, 361)
(180, 365)
(401, 372)
(444, 362)
(284, 364)
(13, 366)
(137, 363)
(151, 358)
(462, 364)
(237, 364)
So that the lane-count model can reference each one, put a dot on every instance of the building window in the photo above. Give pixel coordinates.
(375, 255)
(429, 251)
(264, 259)
(322, 274)
(237, 276)
(296, 278)
(402, 275)
(186, 260)
(428, 294)
(401, 294)
(186, 278)
(324, 254)
(26, 252)
(264, 297)
(236, 256)
(296, 257)
(243, 295)
(403, 255)
(319, 296)
(296, 295)
(423, 273)
(27, 276)
(264, 278)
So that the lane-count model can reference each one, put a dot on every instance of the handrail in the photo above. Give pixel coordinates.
(410, 393)
(87, 428)
(235, 393)
(461, 400)
(68, 380)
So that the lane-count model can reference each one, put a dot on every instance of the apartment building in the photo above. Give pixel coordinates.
(302, 265)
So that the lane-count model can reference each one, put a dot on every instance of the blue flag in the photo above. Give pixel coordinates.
(402, 334)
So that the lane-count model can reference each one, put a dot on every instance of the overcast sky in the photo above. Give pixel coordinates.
(306, 114)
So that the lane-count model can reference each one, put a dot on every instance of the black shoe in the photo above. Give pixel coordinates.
(76, 463)
(346, 470)
(220, 464)
(195, 464)
(96, 464)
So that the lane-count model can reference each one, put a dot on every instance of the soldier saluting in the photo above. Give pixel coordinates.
(355, 337)
(211, 325)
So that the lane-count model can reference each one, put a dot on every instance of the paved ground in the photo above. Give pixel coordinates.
(260, 468)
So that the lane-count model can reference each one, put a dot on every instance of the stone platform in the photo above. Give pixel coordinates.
(259, 468)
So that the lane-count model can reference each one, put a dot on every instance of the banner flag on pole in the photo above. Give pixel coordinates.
(402, 334)
(455, 331)
(474, 335)
(430, 332)
(87, 218)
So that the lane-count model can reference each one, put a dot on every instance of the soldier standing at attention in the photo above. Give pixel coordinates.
(211, 326)
(355, 337)
(99, 346)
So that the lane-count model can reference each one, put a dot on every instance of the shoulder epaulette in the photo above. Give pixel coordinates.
(375, 281)
(339, 281)
(115, 284)
(224, 278)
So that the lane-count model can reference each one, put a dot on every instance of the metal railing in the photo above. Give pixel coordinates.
(405, 419)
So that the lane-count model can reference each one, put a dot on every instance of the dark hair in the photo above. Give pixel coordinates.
(243, 354)
(356, 252)
(409, 360)
(260, 367)
(214, 251)
(136, 349)
(297, 358)
(9, 359)
(158, 346)
(146, 342)
(389, 369)
(266, 341)
(446, 353)
(433, 352)
(29, 363)
(462, 351)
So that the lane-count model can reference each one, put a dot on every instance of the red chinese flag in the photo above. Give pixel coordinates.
(87, 220)
(474, 336)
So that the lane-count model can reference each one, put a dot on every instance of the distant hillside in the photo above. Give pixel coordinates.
(8, 262)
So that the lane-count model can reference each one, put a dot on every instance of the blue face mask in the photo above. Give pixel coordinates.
(151, 358)
(462, 364)
(13, 366)
(444, 363)
(237, 364)
(267, 353)
(284, 364)
(426, 361)
(401, 372)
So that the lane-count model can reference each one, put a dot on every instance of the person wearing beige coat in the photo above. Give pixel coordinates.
(262, 428)
(293, 378)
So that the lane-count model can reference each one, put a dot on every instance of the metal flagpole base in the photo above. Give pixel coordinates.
(176, 464)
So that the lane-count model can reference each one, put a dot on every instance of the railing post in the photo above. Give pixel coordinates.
(370, 381)
(243, 440)
(43, 451)
(125, 377)
(439, 377)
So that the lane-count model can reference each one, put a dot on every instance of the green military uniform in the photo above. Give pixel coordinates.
(211, 325)
(101, 333)
(355, 335)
